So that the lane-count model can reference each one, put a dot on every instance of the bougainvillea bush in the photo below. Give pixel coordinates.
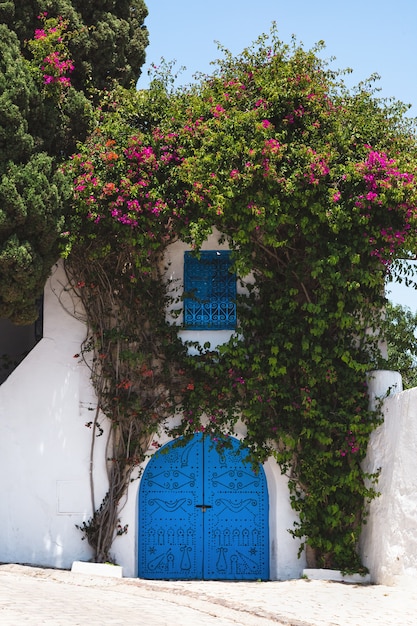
(312, 185)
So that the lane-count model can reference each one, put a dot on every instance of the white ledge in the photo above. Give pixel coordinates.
(335, 575)
(97, 569)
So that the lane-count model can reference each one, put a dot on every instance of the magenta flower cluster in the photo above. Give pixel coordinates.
(50, 51)
(56, 69)
(123, 183)
(351, 445)
(384, 180)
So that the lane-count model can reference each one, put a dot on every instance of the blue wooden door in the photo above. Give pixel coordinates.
(203, 514)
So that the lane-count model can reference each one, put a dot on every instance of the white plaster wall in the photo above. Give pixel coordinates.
(45, 461)
(283, 548)
(45, 445)
(389, 539)
(45, 450)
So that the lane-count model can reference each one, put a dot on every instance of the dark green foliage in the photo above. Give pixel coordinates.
(17, 89)
(109, 38)
(40, 126)
(31, 197)
(400, 326)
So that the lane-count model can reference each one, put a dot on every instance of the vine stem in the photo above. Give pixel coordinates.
(92, 448)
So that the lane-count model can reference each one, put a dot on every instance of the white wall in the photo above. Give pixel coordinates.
(44, 443)
(45, 452)
(45, 461)
(284, 562)
(389, 539)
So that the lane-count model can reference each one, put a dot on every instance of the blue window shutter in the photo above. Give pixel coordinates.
(209, 291)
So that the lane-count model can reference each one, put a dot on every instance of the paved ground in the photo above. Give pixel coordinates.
(35, 597)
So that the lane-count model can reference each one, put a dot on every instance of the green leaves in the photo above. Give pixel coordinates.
(399, 329)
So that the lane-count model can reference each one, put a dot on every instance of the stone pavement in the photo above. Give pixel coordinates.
(36, 597)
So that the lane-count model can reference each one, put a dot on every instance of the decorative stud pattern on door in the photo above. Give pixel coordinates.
(202, 514)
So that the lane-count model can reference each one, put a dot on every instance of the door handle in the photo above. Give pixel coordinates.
(203, 507)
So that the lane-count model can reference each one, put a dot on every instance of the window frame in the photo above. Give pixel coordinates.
(210, 290)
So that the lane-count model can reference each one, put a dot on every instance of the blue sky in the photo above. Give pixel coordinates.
(368, 36)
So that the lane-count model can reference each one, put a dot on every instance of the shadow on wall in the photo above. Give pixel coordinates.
(17, 341)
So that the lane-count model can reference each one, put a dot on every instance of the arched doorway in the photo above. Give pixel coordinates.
(203, 514)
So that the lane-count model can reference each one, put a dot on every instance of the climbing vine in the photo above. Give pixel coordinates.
(313, 188)
(133, 358)
(123, 223)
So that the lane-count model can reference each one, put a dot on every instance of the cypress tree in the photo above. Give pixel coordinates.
(40, 128)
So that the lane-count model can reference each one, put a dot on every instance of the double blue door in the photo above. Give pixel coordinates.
(203, 514)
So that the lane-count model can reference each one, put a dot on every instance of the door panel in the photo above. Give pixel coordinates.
(236, 542)
(171, 533)
(203, 514)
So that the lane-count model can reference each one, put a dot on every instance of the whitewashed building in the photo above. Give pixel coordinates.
(46, 469)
